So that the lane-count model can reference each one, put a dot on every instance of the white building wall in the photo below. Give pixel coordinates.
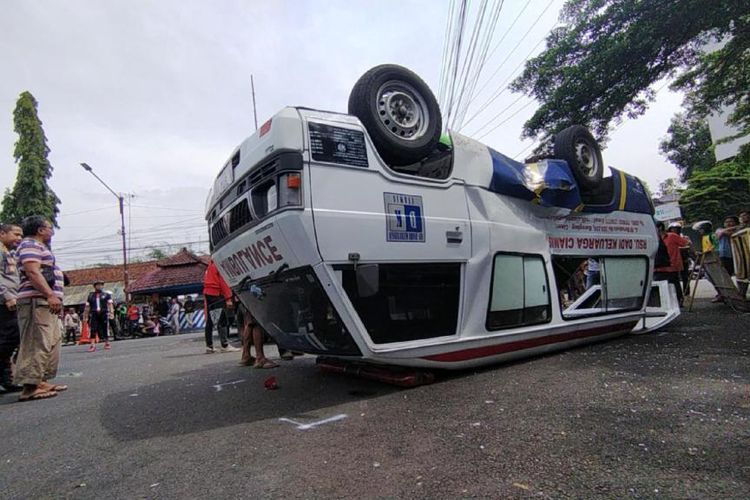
(717, 123)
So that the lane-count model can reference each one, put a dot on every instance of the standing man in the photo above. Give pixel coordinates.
(133, 315)
(252, 334)
(98, 311)
(685, 251)
(671, 273)
(122, 318)
(724, 236)
(744, 218)
(174, 316)
(189, 310)
(218, 298)
(71, 322)
(146, 312)
(40, 295)
(10, 236)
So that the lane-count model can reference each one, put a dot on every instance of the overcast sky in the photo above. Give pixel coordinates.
(154, 95)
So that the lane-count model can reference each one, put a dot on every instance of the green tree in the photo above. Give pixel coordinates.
(669, 187)
(688, 145)
(601, 65)
(715, 193)
(30, 195)
(156, 254)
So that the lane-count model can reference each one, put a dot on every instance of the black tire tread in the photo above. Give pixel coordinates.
(393, 150)
(564, 150)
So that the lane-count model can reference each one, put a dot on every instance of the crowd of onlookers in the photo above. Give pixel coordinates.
(158, 316)
(33, 319)
(679, 259)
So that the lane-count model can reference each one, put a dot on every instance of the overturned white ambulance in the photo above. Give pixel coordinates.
(368, 237)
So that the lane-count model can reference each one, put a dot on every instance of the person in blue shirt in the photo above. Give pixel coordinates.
(724, 236)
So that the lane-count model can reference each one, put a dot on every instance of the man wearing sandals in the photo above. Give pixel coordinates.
(252, 335)
(39, 303)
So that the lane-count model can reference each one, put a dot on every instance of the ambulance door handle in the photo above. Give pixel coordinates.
(455, 237)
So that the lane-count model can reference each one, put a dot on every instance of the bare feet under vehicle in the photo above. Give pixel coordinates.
(265, 363)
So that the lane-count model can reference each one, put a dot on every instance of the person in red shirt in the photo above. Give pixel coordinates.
(133, 315)
(218, 299)
(671, 273)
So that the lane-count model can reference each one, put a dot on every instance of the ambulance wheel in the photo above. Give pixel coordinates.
(578, 147)
(399, 112)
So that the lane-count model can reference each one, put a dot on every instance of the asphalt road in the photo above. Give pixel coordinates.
(661, 415)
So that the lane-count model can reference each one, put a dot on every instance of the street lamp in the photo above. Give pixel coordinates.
(119, 197)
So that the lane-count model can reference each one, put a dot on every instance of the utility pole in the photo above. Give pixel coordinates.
(120, 200)
(255, 111)
(130, 220)
(124, 249)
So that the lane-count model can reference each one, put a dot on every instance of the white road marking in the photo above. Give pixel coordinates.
(219, 387)
(304, 427)
(71, 374)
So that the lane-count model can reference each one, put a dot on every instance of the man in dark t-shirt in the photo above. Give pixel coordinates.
(99, 310)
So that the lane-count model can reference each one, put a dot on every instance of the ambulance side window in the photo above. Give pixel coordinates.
(625, 282)
(600, 285)
(519, 293)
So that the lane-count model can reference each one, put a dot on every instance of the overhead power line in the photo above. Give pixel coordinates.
(168, 208)
(513, 23)
(506, 108)
(473, 75)
(503, 86)
(523, 151)
(102, 252)
(466, 48)
(507, 119)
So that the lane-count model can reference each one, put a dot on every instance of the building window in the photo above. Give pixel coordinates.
(519, 293)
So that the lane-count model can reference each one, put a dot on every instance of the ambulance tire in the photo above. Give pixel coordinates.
(580, 150)
(399, 112)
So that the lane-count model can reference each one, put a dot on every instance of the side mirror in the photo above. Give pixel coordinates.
(368, 280)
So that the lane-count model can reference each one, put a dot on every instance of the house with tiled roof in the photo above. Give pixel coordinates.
(81, 281)
(180, 274)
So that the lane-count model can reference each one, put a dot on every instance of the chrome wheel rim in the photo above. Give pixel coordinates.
(587, 158)
(402, 110)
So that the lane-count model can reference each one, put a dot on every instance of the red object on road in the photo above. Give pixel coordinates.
(85, 335)
(271, 383)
